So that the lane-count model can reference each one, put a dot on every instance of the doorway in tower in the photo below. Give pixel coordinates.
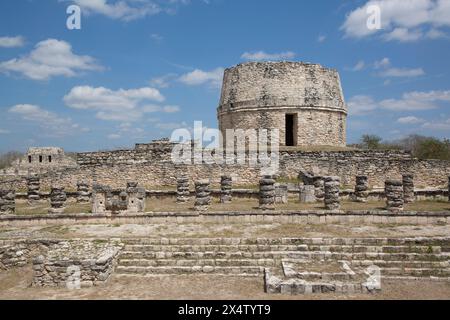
(291, 130)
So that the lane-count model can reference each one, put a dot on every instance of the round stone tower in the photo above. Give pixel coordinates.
(304, 101)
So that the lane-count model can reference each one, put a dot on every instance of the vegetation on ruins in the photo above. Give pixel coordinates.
(421, 147)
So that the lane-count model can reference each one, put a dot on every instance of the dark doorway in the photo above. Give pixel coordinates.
(291, 123)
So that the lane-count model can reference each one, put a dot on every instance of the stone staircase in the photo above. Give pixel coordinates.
(403, 257)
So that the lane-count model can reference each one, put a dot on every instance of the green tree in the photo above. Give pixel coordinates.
(370, 141)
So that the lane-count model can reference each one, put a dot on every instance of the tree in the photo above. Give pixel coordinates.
(369, 141)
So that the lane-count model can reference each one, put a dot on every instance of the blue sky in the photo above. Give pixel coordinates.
(138, 69)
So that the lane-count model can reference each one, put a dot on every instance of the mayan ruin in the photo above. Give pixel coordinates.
(140, 175)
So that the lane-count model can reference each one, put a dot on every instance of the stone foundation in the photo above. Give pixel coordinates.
(394, 195)
(75, 264)
(7, 202)
(332, 201)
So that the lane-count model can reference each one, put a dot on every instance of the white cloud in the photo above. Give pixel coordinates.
(401, 20)
(163, 81)
(120, 105)
(410, 101)
(261, 55)
(156, 37)
(197, 77)
(410, 120)
(124, 10)
(53, 124)
(3, 131)
(171, 125)
(359, 66)
(12, 42)
(361, 104)
(321, 38)
(392, 72)
(50, 58)
(437, 125)
(114, 136)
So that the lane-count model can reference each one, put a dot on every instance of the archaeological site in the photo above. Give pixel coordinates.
(331, 221)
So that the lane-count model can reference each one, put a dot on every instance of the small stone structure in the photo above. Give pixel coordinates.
(332, 201)
(319, 185)
(226, 186)
(183, 193)
(307, 194)
(361, 189)
(202, 195)
(75, 264)
(408, 188)
(100, 196)
(7, 202)
(281, 193)
(267, 193)
(58, 200)
(394, 195)
(136, 198)
(83, 194)
(33, 185)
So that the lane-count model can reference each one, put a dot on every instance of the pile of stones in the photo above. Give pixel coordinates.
(33, 185)
(267, 193)
(394, 195)
(183, 193)
(226, 186)
(202, 195)
(58, 200)
(331, 199)
(7, 201)
(83, 195)
(319, 186)
(361, 189)
(408, 188)
(307, 194)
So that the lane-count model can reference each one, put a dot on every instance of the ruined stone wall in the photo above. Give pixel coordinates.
(259, 95)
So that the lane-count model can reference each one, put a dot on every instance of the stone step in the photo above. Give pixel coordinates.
(199, 262)
(385, 249)
(438, 241)
(277, 255)
(213, 248)
(174, 270)
(416, 272)
(401, 264)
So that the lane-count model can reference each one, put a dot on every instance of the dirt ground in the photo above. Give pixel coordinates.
(15, 285)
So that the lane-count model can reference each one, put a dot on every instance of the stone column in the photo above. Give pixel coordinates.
(281, 193)
(202, 195)
(267, 193)
(408, 188)
(226, 186)
(33, 184)
(319, 186)
(394, 195)
(136, 198)
(183, 193)
(99, 198)
(57, 200)
(331, 199)
(7, 202)
(361, 188)
(83, 195)
(307, 194)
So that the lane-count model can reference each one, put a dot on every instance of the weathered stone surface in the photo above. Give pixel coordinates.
(7, 202)
(83, 194)
(307, 194)
(58, 200)
(226, 186)
(136, 198)
(202, 195)
(33, 184)
(319, 185)
(267, 193)
(183, 193)
(331, 199)
(361, 188)
(394, 195)
(408, 188)
(281, 193)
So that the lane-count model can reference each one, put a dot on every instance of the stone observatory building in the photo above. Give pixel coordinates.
(304, 101)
